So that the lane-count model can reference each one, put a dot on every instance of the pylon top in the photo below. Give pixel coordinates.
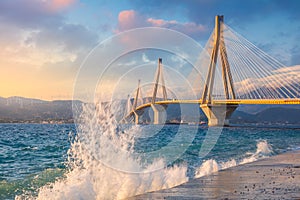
(221, 17)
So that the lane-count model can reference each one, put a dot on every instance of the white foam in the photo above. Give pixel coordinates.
(207, 167)
(263, 150)
(228, 164)
(103, 165)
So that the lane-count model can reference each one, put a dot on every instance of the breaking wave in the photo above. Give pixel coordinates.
(263, 150)
(103, 165)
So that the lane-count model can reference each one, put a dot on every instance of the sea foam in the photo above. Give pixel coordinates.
(263, 150)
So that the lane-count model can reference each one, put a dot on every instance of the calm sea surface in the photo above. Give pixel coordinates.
(32, 156)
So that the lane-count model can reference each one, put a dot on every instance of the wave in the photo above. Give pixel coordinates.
(263, 150)
(102, 163)
(27, 188)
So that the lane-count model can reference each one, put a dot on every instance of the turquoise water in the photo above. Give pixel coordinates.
(34, 155)
(31, 155)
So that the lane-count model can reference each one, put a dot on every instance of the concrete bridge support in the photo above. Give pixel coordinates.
(137, 115)
(218, 115)
(159, 113)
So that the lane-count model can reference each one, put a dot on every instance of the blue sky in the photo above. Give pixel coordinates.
(45, 41)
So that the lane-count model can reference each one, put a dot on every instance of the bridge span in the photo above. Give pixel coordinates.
(216, 102)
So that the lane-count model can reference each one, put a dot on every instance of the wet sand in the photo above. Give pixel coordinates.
(276, 177)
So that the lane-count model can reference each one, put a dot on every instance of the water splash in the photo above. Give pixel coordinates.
(207, 167)
(228, 164)
(263, 150)
(102, 163)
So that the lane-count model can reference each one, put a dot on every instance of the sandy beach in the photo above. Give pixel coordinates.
(277, 177)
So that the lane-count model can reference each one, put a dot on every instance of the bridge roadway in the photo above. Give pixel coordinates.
(295, 101)
(225, 102)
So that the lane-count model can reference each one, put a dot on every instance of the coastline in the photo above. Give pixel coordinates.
(276, 177)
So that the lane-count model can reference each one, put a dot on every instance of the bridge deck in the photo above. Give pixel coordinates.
(258, 101)
(225, 102)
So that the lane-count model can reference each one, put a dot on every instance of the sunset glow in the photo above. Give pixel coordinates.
(44, 42)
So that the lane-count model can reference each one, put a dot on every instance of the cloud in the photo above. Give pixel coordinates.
(145, 58)
(129, 63)
(39, 26)
(257, 20)
(289, 70)
(283, 82)
(295, 52)
(190, 28)
(203, 11)
(57, 5)
(129, 19)
(30, 14)
(69, 37)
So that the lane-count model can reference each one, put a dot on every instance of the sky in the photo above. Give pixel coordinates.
(44, 42)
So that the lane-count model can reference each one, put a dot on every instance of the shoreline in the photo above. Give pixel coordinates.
(276, 177)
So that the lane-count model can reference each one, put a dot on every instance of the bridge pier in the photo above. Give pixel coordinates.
(137, 115)
(159, 113)
(218, 115)
(136, 118)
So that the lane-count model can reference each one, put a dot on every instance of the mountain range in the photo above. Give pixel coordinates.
(20, 109)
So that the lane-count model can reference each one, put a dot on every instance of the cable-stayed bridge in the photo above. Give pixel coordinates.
(247, 75)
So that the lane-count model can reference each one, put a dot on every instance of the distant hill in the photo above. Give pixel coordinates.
(282, 115)
(19, 109)
(254, 109)
(279, 114)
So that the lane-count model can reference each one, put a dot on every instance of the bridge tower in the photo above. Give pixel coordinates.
(159, 111)
(218, 115)
(137, 113)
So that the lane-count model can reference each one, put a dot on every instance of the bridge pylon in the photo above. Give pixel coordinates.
(218, 115)
(137, 113)
(137, 94)
(159, 111)
(159, 77)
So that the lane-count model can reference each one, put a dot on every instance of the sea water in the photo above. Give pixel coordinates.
(99, 159)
